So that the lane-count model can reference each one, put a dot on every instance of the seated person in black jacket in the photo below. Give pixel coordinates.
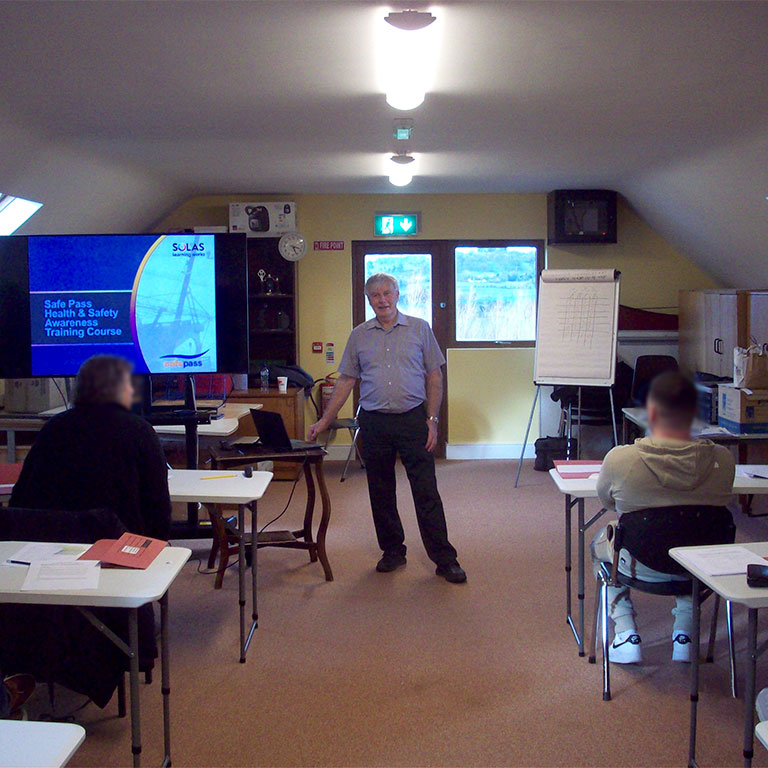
(98, 454)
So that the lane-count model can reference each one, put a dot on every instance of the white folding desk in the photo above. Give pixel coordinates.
(118, 588)
(761, 731)
(735, 589)
(228, 487)
(223, 427)
(576, 491)
(38, 745)
(639, 417)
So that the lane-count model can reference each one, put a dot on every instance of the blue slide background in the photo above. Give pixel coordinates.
(90, 263)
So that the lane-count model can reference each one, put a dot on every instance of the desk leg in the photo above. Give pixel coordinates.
(581, 576)
(309, 512)
(568, 560)
(133, 640)
(10, 437)
(241, 573)
(254, 577)
(624, 429)
(166, 678)
(324, 519)
(749, 688)
(694, 690)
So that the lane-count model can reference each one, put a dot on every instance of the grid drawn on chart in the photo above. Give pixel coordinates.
(584, 317)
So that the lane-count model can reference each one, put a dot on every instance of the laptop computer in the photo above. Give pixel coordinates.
(273, 435)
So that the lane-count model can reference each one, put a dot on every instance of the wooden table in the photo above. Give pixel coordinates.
(309, 459)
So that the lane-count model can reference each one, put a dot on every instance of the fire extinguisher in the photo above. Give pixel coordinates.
(326, 390)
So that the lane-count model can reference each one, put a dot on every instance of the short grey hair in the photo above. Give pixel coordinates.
(380, 277)
(100, 379)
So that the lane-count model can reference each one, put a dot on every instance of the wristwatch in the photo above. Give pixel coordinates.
(433, 418)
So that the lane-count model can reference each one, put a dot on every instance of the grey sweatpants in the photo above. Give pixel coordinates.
(619, 602)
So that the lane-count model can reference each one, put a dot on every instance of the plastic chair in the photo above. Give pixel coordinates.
(353, 425)
(647, 368)
(648, 535)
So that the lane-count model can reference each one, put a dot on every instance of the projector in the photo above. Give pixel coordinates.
(262, 219)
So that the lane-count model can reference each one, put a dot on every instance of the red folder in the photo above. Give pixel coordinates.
(129, 551)
(576, 463)
(9, 474)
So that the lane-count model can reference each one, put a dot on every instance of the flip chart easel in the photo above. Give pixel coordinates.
(576, 335)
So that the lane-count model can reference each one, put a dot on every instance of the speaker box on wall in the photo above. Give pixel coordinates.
(581, 216)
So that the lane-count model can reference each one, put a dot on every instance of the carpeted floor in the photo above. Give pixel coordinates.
(405, 669)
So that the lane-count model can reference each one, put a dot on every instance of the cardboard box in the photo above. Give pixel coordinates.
(262, 219)
(742, 410)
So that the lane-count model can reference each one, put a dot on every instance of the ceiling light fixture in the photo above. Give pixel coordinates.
(410, 20)
(400, 168)
(409, 57)
(14, 211)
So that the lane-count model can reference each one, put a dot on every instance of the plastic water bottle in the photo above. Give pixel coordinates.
(264, 378)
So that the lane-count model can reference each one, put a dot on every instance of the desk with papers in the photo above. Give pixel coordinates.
(748, 480)
(117, 588)
(704, 568)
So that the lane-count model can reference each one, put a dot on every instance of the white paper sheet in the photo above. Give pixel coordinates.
(41, 550)
(577, 469)
(726, 560)
(58, 575)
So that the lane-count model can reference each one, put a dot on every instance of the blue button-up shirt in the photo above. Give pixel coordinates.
(392, 364)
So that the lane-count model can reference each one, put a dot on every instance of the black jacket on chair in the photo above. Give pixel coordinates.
(99, 457)
(89, 458)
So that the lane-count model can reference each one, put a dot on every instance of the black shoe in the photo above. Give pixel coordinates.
(390, 563)
(452, 572)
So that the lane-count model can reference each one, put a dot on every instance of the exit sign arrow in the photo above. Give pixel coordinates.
(406, 224)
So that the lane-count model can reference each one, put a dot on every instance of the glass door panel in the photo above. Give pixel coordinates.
(414, 274)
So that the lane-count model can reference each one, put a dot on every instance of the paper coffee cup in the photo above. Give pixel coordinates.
(282, 383)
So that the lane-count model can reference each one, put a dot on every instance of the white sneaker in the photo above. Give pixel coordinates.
(625, 648)
(761, 705)
(681, 646)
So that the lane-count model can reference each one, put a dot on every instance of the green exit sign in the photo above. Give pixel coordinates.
(396, 224)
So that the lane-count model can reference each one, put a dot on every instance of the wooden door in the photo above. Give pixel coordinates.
(692, 345)
(419, 266)
(729, 330)
(757, 318)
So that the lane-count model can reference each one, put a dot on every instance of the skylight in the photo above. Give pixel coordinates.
(14, 211)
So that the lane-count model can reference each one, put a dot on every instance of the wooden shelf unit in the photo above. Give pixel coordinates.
(272, 317)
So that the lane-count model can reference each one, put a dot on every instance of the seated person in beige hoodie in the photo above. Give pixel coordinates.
(664, 469)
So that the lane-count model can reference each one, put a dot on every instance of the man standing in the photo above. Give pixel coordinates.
(398, 362)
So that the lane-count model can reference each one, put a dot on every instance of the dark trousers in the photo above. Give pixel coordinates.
(384, 436)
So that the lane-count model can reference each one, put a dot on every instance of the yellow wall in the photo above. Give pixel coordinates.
(499, 379)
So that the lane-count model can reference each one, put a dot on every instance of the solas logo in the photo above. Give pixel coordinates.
(188, 248)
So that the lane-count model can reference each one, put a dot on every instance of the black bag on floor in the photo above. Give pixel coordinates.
(550, 448)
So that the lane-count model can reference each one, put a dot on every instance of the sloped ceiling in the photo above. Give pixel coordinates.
(112, 112)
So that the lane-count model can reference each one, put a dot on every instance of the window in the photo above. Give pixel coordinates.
(414, 274)
(474, 293)
(495, 293)
(14, 211)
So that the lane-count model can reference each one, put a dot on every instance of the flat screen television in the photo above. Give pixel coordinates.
(173, 303)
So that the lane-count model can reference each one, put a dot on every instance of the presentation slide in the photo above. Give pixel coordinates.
(149, 298)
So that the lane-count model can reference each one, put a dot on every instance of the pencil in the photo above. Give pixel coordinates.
(217, 477)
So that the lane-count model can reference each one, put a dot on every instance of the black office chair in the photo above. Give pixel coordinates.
(647, 368)
(648, 535)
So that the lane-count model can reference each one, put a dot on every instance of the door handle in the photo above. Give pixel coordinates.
(443, 305)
